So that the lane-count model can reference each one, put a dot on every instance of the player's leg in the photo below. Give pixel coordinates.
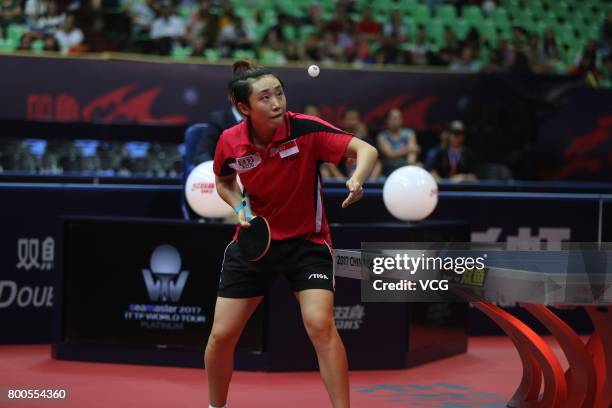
(310, 273)
(318, 315)
(241, 288)
(231, 316)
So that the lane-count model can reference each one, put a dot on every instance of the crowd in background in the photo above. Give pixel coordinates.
(346, 31)
(398, 146)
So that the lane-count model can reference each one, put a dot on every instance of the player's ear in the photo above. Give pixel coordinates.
(243, 108)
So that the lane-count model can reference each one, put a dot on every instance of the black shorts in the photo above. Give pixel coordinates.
(305, 265)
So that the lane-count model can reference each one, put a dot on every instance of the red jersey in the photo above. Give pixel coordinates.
(282, 181)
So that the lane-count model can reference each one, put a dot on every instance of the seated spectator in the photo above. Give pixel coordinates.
(167, 29)
(433, 152)
(395, 27)
(142, 14)
(69, 37)
(605, 35)
(351, 122)
(49, 22)
(51, 44)
(549, 49)
(398, 145)
(420, 50)
(587, 69)
(35, 9)
(449, 50)
(10, 13)
(234, 36)
(467, 61)
(367, 26)
(330, 52)
(312, 110)
(455, 162)
(203, 26)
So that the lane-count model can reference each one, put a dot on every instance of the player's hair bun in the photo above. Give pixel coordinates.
(242, 65)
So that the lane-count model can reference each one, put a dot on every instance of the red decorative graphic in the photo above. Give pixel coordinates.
(205, 188)
(123, 104)
(581, 146)
(40, 106)
(66, 108)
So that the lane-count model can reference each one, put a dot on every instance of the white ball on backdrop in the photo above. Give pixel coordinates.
(410, 193)
(201, 193)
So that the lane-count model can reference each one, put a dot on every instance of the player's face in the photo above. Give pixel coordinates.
(268, 103)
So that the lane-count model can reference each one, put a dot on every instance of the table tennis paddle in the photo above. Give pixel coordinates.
(254, 242)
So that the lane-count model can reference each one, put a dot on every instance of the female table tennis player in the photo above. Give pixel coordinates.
(276, 154)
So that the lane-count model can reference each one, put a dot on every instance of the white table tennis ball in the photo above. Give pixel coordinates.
(202, 195)
(314, 71)
(410, 193)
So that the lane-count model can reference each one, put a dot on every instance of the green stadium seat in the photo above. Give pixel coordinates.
(305, 31)
(271, 57)
(560, 8)
(7, 45)
(38, 45)
(446, 13)
(211, 54)
(15, 31)
(565, 34)
(550, 20)
(240, 54)
(181, 52)
(461, 29)
(290, 32)
(421, 14)
(435, 31)
(407, 6)
(488, 30)
(473, 15)
(536, 8)
(500, 16)
(410, 26)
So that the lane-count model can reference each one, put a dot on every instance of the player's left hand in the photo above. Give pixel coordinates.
(355, 192)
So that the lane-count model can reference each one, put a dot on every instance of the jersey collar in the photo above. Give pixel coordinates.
(280, 135)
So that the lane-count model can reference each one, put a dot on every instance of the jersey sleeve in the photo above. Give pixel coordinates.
(330, 143)
(223, 159)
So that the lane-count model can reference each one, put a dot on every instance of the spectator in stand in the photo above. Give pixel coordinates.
(398, 145)
(467, 61)
(449, 50)
(34, 9)
(235, 36)
(549, 49)
(434, 151)
(167, 29)
(590, 50)
(395, 27)
(10, 13)
(51, 44)
(203, 27)
(330, 52)
(312, 110)
(48, 23)
(142, 14)
(605, 35)
(420, 51)
(69, 37)
(367, 26)
(455, 162)
(282, 22)
(351, 122)
(312, 47)
(537, 61)
(588, 69)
